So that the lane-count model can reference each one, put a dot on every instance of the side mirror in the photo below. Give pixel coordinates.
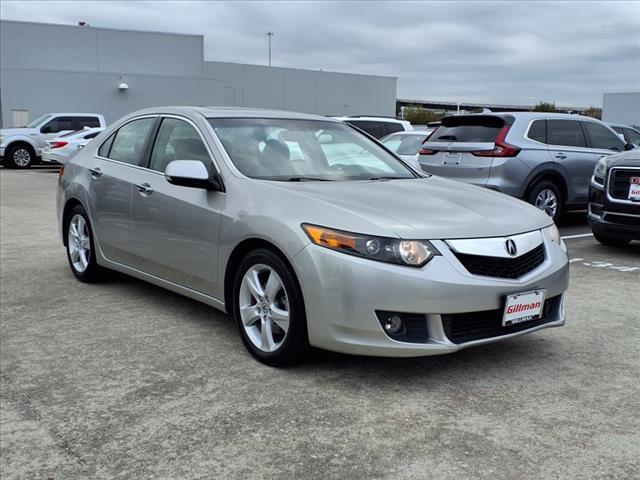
(190, 173)
(629, 146)
(45, 129)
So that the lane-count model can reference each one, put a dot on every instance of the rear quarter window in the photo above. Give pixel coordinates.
(538, 131)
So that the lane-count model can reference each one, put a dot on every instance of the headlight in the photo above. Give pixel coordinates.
(412, 253)
(554, 235)
(601, 169)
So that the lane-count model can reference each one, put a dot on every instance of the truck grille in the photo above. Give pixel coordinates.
(467, 327)
(619, 180)
(502, 267)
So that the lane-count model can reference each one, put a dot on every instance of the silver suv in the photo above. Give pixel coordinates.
(544, 158)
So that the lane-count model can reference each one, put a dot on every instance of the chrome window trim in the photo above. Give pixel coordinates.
(617, 200)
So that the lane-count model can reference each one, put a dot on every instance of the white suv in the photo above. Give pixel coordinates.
(22, 147)
(378, 127)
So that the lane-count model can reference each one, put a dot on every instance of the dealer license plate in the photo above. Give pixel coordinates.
(452, 158)
(634, 189)
(523, 307)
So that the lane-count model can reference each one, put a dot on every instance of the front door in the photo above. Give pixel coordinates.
(176, 229)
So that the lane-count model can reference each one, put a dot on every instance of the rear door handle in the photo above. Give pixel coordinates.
(144, 188)
(561, 156)
(95, 172)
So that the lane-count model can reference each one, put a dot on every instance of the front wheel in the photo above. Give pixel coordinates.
(546, 196)
(80, 246)
(19, 156)
(269, 309)
(613, 241)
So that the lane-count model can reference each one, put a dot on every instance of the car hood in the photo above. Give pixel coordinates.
(426, 208)
(8, 132)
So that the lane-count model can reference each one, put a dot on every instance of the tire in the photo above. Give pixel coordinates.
(546, 196)
(19, 156)
(607, 240)
(261, 301)
(81, 252)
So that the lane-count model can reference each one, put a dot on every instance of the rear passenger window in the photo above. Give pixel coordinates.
(393, 127)
(372, 128)
(601, 137)
(91, 122)
(128, 144)
(177, 140)
(59, 124)
(538, 131)
(566, 133)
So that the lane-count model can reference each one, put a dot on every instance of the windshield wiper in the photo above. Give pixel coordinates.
(308, 179)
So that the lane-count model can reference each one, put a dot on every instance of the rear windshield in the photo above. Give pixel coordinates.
(470, 128)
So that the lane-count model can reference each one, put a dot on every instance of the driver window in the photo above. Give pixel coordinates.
(177, 140)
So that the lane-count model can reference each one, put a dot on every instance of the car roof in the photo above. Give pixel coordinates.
(612, 124)
(374, 119)
(407, 133)
(57, 114)
(533, 115)
(230, 112)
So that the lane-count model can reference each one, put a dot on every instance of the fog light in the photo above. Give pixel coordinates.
(393, 325)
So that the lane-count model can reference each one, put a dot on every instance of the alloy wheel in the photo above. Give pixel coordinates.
(21, 157)
(79, 243)
(264, 308)
(547, 201)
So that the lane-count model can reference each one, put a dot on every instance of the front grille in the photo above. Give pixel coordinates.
(502, 267)
(619, 182)
(467, 327)
(622, 219)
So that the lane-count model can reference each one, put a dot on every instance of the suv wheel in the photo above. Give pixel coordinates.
(19, 156)
(607, 240)
(546, 196)
(269, 310)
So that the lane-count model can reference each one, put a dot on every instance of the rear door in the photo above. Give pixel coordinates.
(454, 148)
(110, 174)
(572, 156)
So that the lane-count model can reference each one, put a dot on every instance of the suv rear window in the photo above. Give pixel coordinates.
(469, 128)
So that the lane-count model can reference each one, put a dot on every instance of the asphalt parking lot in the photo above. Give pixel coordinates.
(126, 380)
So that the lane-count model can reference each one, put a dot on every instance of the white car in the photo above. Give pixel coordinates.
(377, 127)
(22, 147)
(407, 145)
(61, 149)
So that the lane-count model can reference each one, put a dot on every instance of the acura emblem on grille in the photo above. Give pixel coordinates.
(511, 248)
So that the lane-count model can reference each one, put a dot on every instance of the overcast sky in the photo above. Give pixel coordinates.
(495, 52)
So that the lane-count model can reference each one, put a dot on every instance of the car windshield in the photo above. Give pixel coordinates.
(403, 144)
(304, 150)
(37, 121)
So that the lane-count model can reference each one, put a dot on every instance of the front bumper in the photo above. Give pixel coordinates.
(620, 219)
(50, 157)
(342, 294)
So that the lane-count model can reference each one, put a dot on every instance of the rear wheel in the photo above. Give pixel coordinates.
(19, 156)
(546, 196)
(80, 246)
(607, 240)
(269, 309)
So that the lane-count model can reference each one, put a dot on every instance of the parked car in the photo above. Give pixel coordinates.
(61, 149)
(629, 133)
(544, 158)
(22, 147)
(345, 248)
(378, 127)
(614, 199)
(407, 145)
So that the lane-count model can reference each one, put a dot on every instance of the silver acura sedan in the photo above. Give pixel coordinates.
(309, 233)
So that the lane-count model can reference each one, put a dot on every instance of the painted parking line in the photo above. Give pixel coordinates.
(608, 265)
(582, 235)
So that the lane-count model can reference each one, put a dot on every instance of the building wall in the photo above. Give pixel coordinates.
(45, 68)
(621, 108)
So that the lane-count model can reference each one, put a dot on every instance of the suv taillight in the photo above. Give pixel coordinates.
(501, 148)
(427, 151)
(58, 144)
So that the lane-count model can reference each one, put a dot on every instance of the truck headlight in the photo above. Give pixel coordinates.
(600, 171)
(412, 253)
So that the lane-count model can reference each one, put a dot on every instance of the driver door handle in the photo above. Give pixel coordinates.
(144, 188)
(95, 172)
(561, 156)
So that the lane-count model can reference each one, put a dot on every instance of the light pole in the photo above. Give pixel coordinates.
(269, 34)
